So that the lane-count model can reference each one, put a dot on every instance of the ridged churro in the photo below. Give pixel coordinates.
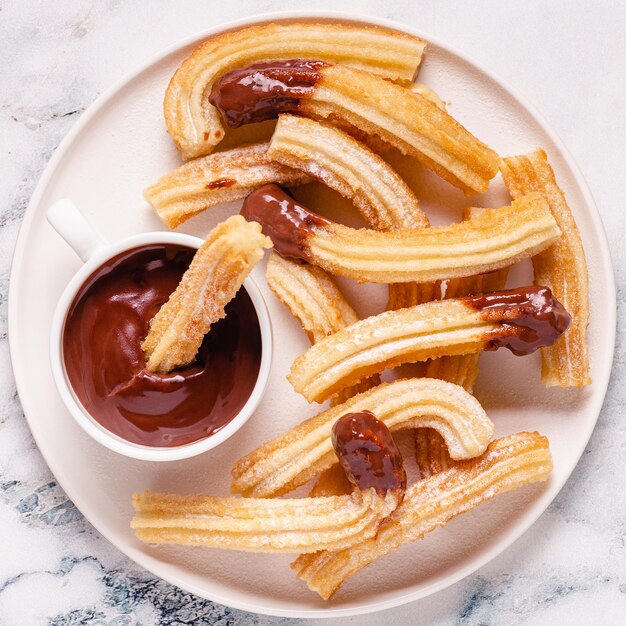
(562, 267)
(222, 177)
(372, 463)
(302, 453)
(316, 302)
(509, 463)
(494, 239)
(344, 95)
(521, 320)
(347, 166)
(195, 125)
(216, 273)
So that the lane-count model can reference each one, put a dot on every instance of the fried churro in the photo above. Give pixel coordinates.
(221, 177)
(215, 274)
(371, 461)
(562, 267)
(509, 463)
(347, 166)
(302, 453)
(195, 125)
(521, 320)
(402, 118)
(494, 239)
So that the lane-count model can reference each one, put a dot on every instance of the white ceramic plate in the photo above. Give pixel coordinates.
(117, 148)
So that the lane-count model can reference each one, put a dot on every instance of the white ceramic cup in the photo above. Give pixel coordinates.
(67, 220)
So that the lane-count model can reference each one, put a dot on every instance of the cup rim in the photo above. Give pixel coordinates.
(80, 414)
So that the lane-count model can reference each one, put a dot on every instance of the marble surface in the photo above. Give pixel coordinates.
(566, 57)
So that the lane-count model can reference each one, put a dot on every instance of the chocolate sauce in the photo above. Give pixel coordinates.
(368, 453)
(105, 365)
(530, 318)
(263, 90)
(284, 221)
(220, 183)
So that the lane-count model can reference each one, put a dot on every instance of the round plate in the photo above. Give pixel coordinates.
(117, 148)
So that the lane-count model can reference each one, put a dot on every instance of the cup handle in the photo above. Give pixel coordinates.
(70, 223)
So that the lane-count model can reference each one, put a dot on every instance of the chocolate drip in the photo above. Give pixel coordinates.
(368, 453)
(263, 90)
(102, 338)
(530, 318)
(284, 221)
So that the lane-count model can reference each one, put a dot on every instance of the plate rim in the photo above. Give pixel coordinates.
(541, 503)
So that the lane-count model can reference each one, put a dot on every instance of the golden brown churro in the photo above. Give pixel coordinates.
(522, 320)
(494, 239)
(343, 95)
(508, 463)
(195, 125)
(216, 273)
(305, 451)
(562, 267)
(371, 461)
(347, 166)
(222, 177)
(399, 116)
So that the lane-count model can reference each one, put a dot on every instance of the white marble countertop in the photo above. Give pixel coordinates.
(566, 57)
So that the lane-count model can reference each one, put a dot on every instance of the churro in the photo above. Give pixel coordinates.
(562, 267)
(195, 125)
(347, 166)
(371, 461)
(521, 320)
(509, 463)
(221, 177)
(402, 118)
(215, 274)
(305, 451)
(494, 239)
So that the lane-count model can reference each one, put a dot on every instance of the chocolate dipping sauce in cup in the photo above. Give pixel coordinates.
(97, 364)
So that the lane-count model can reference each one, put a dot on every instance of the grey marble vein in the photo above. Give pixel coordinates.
(55, 569)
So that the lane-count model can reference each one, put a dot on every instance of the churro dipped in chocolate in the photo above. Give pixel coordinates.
(521, 320)
(305, 451)
(216, 273)
(195, 125)
(358, 99)
(372, 463)
(494, 239)
(508, 463)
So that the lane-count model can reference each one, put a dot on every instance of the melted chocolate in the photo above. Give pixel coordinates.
(102, 338)
(263, 90)
(220, 183)
(530, 318)
(284, 221)
(368, 453)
